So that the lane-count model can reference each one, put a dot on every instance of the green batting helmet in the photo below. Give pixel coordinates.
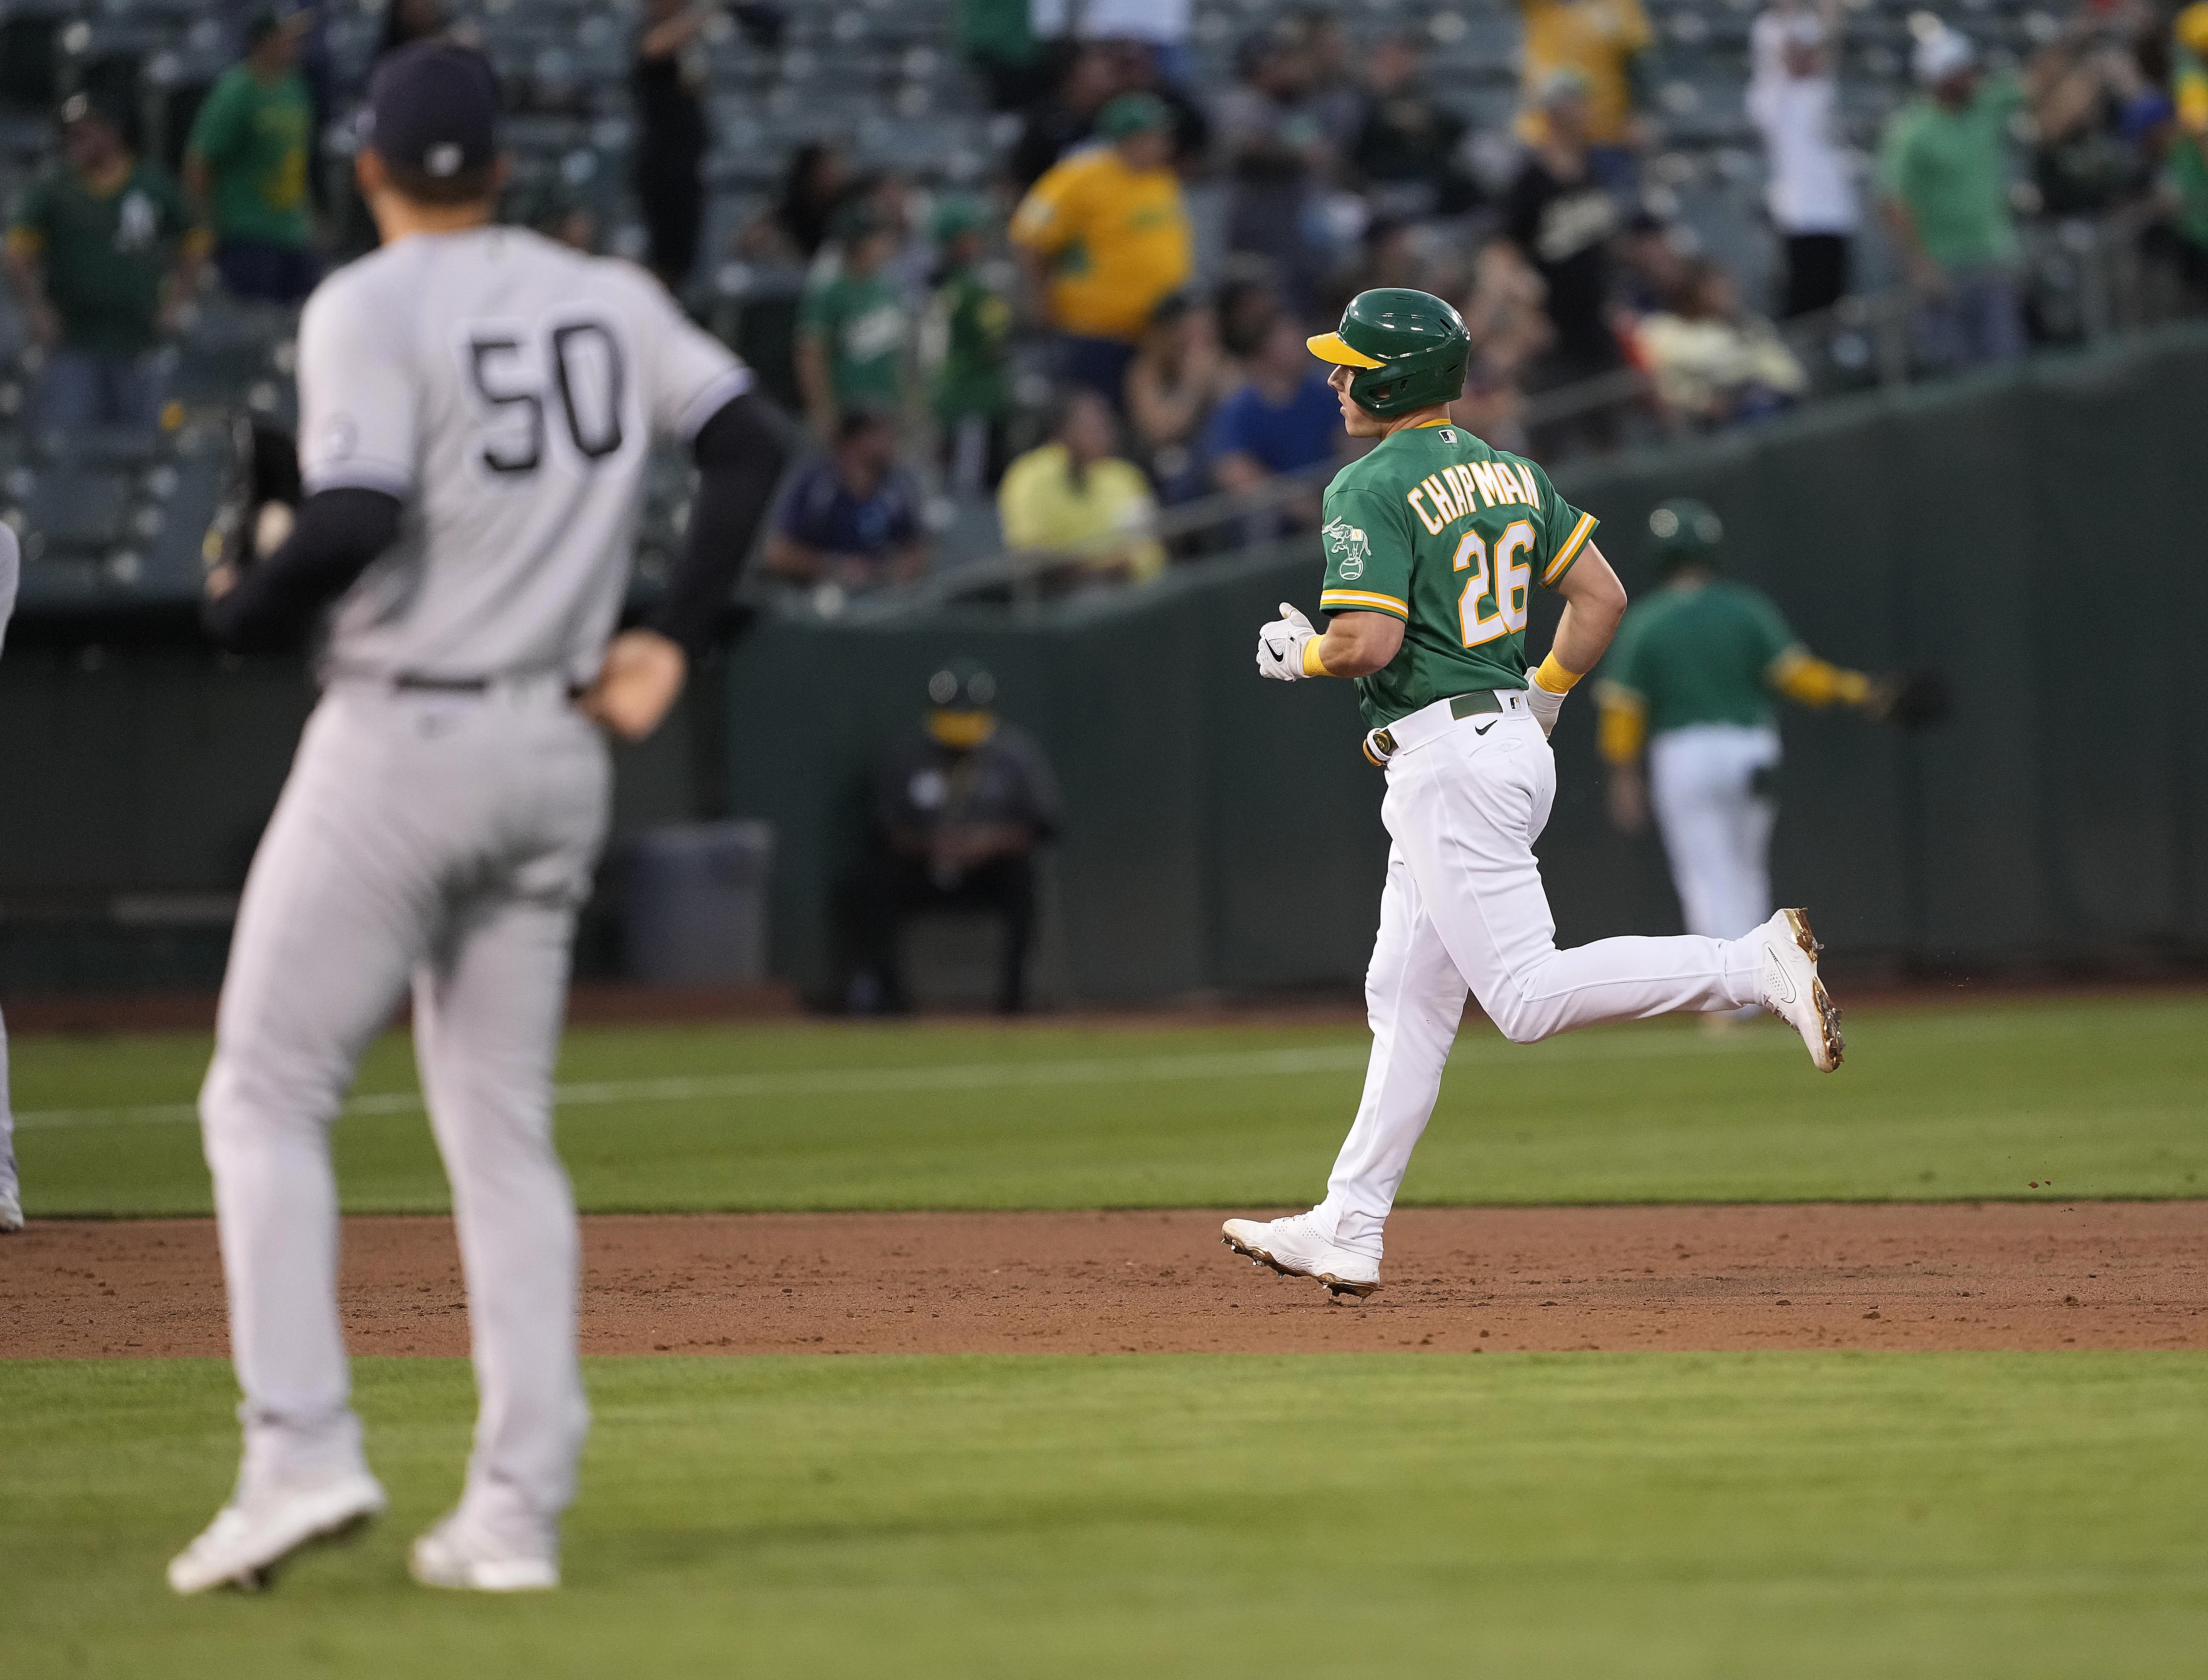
(1409, 349)
(1684, 532)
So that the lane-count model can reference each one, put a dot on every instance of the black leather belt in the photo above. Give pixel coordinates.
(412, 683)
(442, 685)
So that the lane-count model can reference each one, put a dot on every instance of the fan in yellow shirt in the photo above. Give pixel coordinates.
(1073, 497)
(1601, 41)
(1104, 236)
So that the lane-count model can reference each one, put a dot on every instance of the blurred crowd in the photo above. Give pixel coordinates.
(1071, 345)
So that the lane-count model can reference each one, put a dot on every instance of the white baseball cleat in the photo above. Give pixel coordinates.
(250, 1536)
(456, 1555)
(11, 1212)
(1787, 969)
(1295, 1247)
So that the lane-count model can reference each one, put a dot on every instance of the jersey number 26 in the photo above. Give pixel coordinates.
(1495, 606)
(580, 360)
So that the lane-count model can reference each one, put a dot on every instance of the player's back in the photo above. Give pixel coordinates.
(1702, 655)
(1436, 527)
(508, 391)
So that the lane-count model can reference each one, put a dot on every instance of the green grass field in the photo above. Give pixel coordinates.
(1932, 1515)
(2100, 1098)
(1802, 1515)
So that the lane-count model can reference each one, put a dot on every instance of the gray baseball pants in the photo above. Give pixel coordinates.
(444, 839)
(9, 1185)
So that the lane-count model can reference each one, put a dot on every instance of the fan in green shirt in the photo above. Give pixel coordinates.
(968, 342)
(853, 326)
(94, 240)
(98, 247)
(246, 164)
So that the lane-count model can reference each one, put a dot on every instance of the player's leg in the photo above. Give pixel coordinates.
(334, 912)
(487, 1016)
(488, 1004)
(11, 1189)
(1414, 1000)
(1467, 809)
(1693, 800)
(1753, 814)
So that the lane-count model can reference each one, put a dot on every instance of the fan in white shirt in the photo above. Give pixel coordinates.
(1792, 94)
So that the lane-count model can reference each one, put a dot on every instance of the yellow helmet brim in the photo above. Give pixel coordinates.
(1330, 347)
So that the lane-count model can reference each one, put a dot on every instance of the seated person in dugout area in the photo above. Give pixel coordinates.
(1072, 497)
(959, 808)
(850, 516)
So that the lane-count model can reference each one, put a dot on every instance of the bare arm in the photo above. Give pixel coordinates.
(665, 38)
(810, 358)
(28, 272)
(1360, 644)
(1594, 602)
(1240, 471)
(786, 557)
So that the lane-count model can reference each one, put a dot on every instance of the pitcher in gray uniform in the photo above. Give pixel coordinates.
(476, 408)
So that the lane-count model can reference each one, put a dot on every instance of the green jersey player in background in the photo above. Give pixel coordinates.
(1434, 544)
(1695, 675)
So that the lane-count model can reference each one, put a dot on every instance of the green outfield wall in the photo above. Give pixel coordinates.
(2038, 533)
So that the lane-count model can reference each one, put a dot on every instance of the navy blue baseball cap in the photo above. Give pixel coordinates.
(433, 107)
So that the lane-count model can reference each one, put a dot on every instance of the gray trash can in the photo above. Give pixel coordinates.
(696, 909)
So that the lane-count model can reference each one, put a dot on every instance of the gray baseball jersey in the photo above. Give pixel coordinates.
(507, 390)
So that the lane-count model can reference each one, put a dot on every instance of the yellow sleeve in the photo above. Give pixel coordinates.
(1045, 220)
(1803, 677)
(1634, 34)
(1621, 724)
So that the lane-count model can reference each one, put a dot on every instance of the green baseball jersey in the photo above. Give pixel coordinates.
(862, 320)
(104, 257)
(1700, 653)
(1438, 530)
(970, 330)
(255, 140)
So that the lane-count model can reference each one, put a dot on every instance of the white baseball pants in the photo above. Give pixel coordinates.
(1464, 910)
(446, 839)
(1716, 825)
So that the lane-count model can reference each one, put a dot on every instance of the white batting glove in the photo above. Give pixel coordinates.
(1281, 645)
(1543, 704)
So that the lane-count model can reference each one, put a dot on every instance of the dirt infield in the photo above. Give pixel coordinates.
(1994, 1275)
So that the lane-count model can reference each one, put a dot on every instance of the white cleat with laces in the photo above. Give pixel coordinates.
(1787, 971)
(254, 1532)
(1295, 1247)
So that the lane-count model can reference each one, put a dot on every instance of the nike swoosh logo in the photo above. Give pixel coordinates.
(1779, 976)
(1484, 727)
(1276, 649)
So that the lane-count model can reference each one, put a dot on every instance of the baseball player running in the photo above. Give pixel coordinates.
(11, 1190)
(1692, 675)
(476, 407)
(1434, 545)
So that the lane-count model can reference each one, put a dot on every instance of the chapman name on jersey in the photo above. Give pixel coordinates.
(507, 390)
